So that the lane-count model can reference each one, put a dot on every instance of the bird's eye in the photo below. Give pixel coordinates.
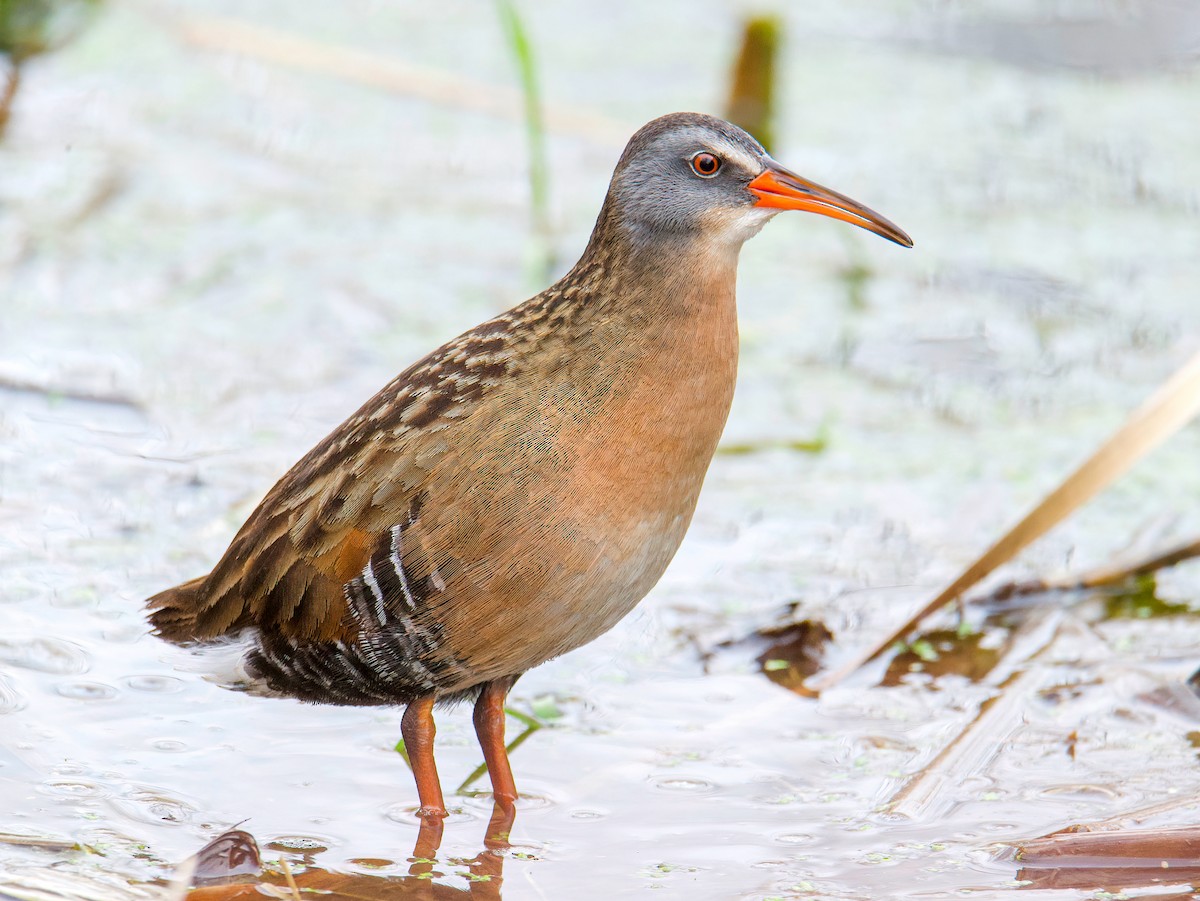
(706, 165)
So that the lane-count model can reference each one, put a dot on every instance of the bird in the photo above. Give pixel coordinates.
(513, 494)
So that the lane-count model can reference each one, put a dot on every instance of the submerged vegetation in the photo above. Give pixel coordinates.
(754, 81)
(521, 47)
(29, 28)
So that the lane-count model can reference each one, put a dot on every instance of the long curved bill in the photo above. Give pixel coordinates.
(780, 189)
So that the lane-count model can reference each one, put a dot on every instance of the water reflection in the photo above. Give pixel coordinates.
(235, 854)
(1111, 879)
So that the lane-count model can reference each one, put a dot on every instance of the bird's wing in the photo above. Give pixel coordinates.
(304, 562)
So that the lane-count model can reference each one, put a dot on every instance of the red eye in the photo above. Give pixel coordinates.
(705, 165)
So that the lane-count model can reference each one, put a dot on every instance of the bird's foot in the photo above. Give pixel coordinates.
(505, 800)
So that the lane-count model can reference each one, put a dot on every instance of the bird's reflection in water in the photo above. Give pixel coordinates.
(226, 857)
(486, 868)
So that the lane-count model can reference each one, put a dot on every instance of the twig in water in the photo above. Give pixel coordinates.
(968, 752)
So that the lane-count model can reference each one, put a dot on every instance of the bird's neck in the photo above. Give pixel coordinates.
(652, 328)
(658, 276)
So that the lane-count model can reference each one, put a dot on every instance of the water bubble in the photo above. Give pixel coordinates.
(160, 684)
(677, 784)
(11, 700)
(124, 633)
(794, 838)
(170, 745)
(73, 788)
(148, 805)
(583, 814)
(406, 814)
(1000, 827)
(299, 843)
(295, 867)
(45, 655)
(86, 691)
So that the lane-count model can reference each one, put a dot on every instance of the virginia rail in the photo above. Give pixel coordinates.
(516, 492)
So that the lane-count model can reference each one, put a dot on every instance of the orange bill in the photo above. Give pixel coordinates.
(780, 189)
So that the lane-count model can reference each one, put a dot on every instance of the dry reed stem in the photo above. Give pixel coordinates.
(231, 35)
(181, 880)
(1173, 845)
(1166, 411)
(12, 81)
(1115, 575)
(1101, 577)
(291, 880)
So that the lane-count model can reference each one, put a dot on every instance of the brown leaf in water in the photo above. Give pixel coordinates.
(944, 652)
(794, 652)
(232, 853)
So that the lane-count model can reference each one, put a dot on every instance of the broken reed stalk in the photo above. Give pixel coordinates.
(969, 751)
(12, 81)
(1163, 414)
(981, 739)
(1100, 577)
(1115, 575)
(1168, 845)
(751, 101)
(231, 35)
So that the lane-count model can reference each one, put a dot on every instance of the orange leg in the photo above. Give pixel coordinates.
(489, 726)
(418, 731)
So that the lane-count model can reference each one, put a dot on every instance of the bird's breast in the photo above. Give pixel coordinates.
(603, 473)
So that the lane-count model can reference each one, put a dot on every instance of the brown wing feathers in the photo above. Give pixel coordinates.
(288, 568)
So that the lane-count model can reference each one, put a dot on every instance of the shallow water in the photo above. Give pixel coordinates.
(206, 262)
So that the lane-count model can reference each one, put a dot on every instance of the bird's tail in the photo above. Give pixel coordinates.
(173, 612)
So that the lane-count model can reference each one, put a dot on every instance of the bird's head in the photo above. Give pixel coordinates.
(687, 175)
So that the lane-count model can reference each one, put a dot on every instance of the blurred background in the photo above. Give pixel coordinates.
(224, 225)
